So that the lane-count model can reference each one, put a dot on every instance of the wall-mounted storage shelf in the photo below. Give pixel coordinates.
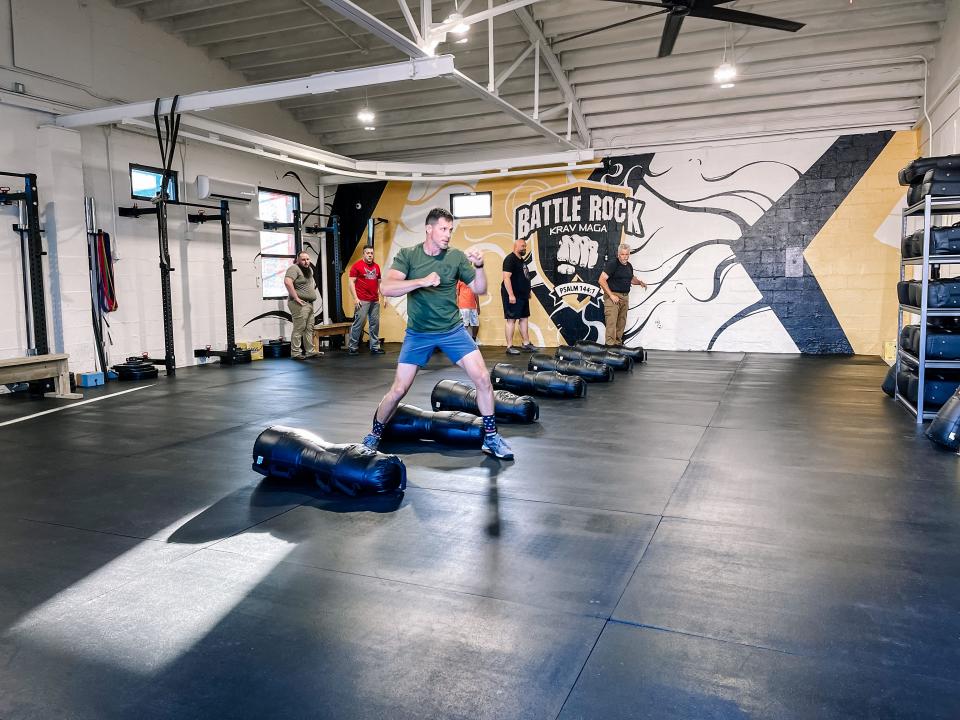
(929, 208)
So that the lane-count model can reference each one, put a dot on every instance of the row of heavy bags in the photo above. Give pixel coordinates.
(352, 468)
(941, 389)
(567, 373)
(356, 470)
(936, 176)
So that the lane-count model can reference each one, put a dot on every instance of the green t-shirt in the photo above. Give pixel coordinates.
(305, 286)
(434, 309)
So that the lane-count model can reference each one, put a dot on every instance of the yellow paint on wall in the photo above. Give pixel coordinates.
(857, 272)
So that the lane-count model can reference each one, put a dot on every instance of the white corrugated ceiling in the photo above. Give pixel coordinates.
(853, 66)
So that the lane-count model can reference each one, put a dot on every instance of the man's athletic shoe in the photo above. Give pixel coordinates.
(529, 347)
(494, 444)
(377, 351)
(512, 351)
(351, 351)
(371, 441)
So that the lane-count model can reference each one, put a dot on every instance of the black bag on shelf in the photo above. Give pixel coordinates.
(450, 427)
(903, 292)
(945, 428)
(938, 386)
(589, 371)
(551, 384)
(907, 337)
(352, 469)
(937, 189)
(453, 395)
(942, 343)
(916, 292)
(912, 245)
(914, 173)
(638, 354)
(915, 194)
(942, 175)
(941, 293)
(943, 241)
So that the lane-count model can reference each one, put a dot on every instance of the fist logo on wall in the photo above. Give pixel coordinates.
(576, 251)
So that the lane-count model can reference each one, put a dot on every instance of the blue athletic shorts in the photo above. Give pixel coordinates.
(418, 347)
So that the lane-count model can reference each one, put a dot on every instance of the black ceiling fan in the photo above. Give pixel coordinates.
(677, 10)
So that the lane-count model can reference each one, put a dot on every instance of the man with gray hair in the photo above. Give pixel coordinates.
(616, 279)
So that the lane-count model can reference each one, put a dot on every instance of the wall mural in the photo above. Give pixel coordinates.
(720, 236)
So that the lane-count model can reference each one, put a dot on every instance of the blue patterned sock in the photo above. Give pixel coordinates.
(489, 425)
(377, 427)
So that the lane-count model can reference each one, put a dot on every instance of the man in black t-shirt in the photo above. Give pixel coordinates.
(616, 279)
(515, 294)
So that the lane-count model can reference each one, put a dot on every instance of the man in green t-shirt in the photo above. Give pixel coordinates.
(427, 274)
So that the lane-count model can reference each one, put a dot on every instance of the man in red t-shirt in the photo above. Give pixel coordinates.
(469, 308)
(365, 288)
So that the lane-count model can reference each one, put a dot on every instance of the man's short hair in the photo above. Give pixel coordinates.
(438, 213)
(623, 246)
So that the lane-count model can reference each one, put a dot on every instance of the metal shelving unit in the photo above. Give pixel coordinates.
(928, 208)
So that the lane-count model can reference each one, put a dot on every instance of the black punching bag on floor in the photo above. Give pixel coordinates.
(610, 359)
(589, 371)
(551, 384)
(352, 469)
(945, 428)
(450, 427)
(453, 395)
(637, 354)
(890, 381)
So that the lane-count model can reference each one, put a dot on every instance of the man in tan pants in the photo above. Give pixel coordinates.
(302, 292)
(616, 279)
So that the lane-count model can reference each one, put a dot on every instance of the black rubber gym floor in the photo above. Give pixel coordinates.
(714, 536)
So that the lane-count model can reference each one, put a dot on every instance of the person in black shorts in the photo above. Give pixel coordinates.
(515, 294)
(427, 274)
(616, 279)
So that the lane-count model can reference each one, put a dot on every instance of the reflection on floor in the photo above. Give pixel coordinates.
(712, 536)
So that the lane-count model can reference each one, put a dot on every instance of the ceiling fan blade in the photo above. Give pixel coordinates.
(644, 3)
(745, 18)
(621, 23)
(671, 28)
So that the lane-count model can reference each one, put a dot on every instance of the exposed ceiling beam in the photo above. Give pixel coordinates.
(216, 17)
(164, 11)
(377, 27)
(414, 69)
(489, 14)
(558, 73)
(411, 23)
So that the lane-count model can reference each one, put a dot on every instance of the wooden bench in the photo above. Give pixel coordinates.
(40, 367)
(341, 330)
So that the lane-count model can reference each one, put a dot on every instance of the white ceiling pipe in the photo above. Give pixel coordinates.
(413, 69)
(466, 171)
